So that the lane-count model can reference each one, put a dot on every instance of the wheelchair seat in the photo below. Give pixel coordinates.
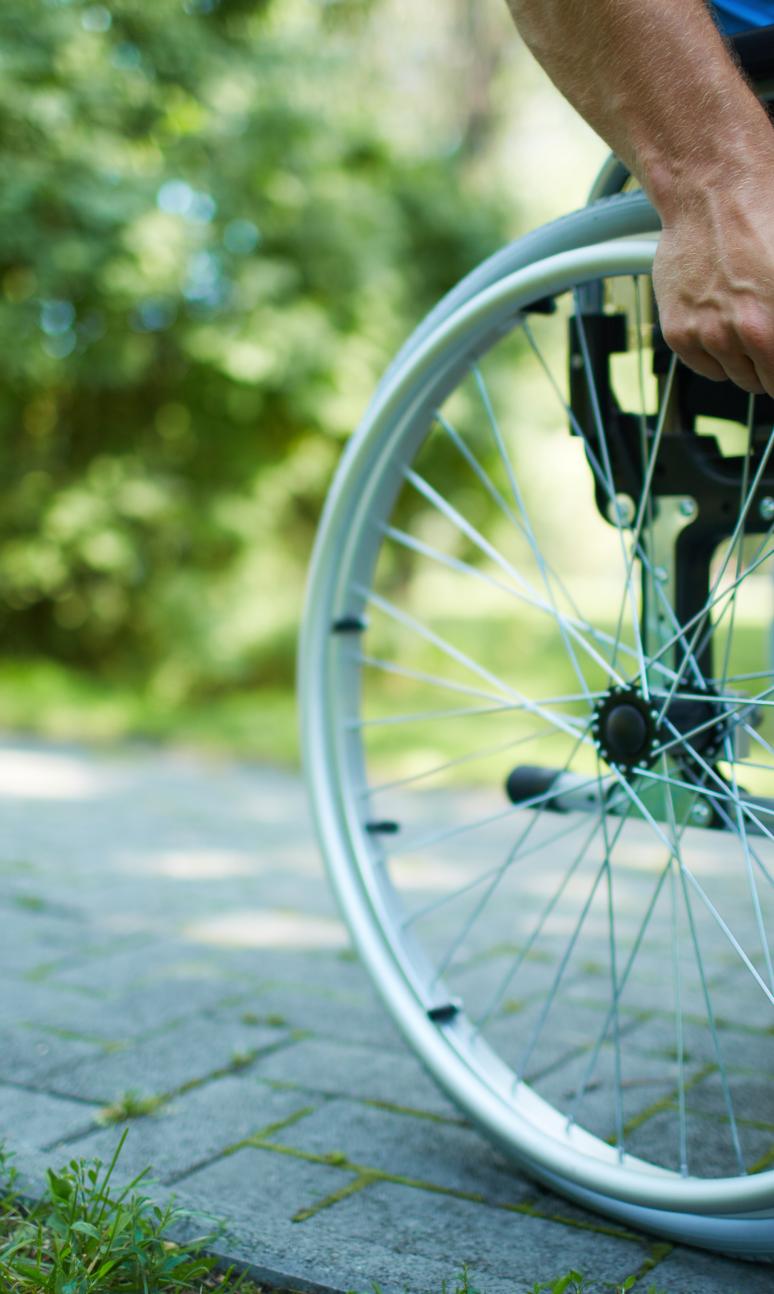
(755, 52)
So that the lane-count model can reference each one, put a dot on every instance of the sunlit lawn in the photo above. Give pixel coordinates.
(50, 700)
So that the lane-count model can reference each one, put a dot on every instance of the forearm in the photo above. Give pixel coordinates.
(654, 79)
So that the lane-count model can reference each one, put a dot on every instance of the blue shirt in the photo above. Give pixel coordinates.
(743, 15)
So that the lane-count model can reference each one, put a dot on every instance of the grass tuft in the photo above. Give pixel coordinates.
(87, 1237)
(129, 1105)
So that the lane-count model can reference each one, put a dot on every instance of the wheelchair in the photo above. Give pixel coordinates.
(537, 707)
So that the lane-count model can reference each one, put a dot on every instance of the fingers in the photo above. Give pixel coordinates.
(698, 360)
(757, 341)
(723, 356)
(716, 310)
(740, 369)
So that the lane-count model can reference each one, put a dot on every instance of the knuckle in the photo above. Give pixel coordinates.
(717, 338)
(756, 331)
(678, 337)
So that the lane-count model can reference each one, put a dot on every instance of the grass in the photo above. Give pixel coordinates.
(86, 1236)
(45, 699)
(131, 1105)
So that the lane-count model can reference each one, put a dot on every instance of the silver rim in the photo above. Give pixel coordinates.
(602, 856)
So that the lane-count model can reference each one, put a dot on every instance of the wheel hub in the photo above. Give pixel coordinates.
(629, 734)
(625, 729)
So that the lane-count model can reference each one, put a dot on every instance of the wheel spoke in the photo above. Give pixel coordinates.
(713, 601)
(429, 716)
(522, 589)
(422, 676)
(511, 856)
(656, 663)
(727, 1098)
(614, 988)
(436, 904)
(741, 827)
(530, 534)
(730, 936)
(539, 1025)
(470, 757)
(450, 833)
(524, 951)
(602, 1036)
(739, 550)
(408, 621)
(718, 797)
(576, 619)
(736, 538)
(728, 1101)
(645, 507)
(710, 772)
(599, 426)
(682, 1120)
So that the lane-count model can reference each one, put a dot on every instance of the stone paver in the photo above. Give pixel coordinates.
(691, 1272)
(189, 1053)
(346, 1017)
(166, 928)
(497, 1245)
(425, 1150)
(346, 1068)
(194, 1127)
(39, 1118)
(33, 1057)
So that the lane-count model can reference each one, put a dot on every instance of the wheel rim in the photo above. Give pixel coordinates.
(391, 884)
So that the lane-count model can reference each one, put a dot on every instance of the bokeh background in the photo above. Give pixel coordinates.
(218, 220)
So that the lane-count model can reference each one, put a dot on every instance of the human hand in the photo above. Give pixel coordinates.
(714, 282)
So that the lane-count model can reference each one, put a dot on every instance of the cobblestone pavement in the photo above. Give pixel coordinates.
(167, 929)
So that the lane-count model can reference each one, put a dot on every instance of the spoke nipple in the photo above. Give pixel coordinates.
(701, 815)
(445, 1012)
(766, 508)
(349, 625)
(688, 507)
(621, 510)
(662, 574)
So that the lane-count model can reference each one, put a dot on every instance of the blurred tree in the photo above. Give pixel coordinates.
(209, 243)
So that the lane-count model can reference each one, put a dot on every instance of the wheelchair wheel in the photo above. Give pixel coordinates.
(537, 714)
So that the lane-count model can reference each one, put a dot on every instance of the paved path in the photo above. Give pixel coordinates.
(166, 928)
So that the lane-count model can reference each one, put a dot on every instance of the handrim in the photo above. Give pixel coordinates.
(329, 763)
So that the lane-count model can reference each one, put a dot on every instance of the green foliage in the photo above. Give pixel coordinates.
(86, 1238)
(130, 1105)
(575, 1283)
(208, 251)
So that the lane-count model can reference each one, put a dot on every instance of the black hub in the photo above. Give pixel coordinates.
(628, 734)
(625, 728)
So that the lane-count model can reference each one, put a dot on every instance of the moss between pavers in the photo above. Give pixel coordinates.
(764, 1162)
(365, 1176)
(411, 1111)
(136, 1105)
(645, 1015)
(665, 1103)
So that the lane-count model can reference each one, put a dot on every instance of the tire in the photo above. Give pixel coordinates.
(477, 620)
(615, 216)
